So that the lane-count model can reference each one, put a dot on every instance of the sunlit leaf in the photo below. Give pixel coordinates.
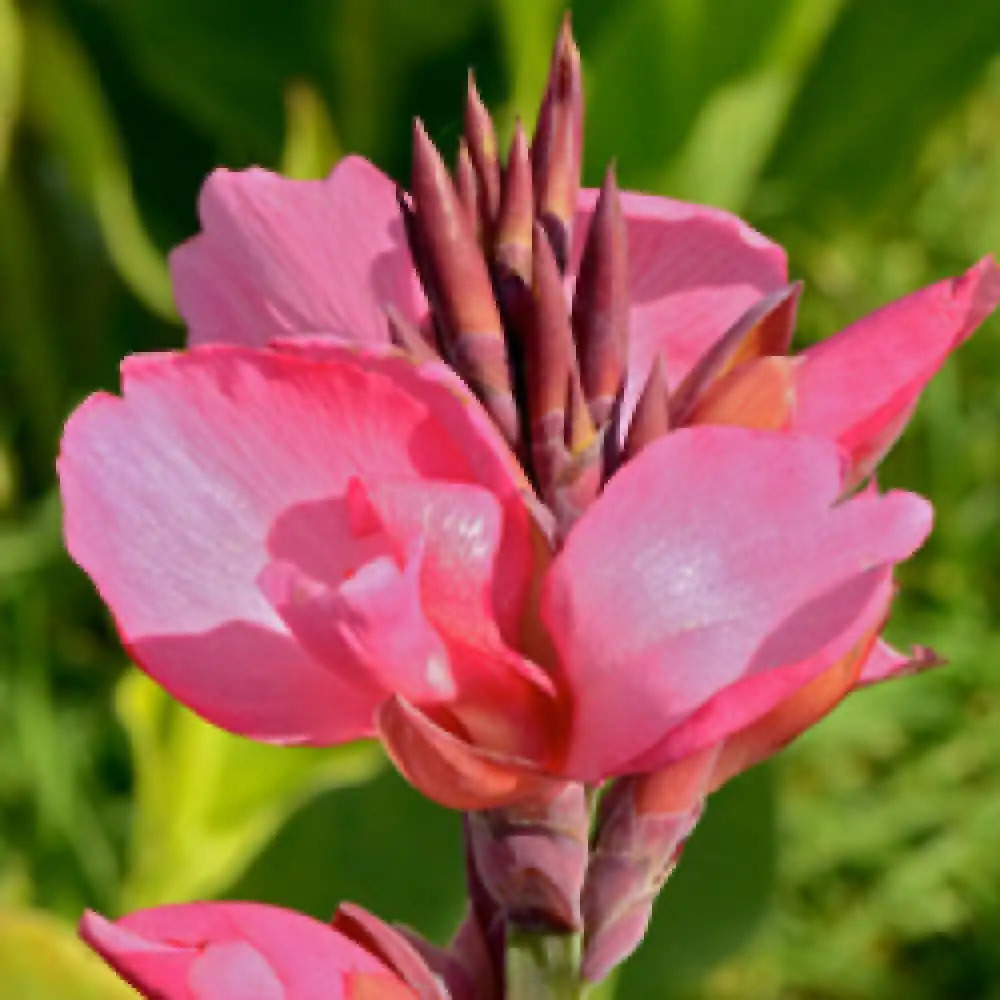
(10, 75)
(65, 102)
(207, 801)
(42, 959)
(737, 126)
(311, 144)
(886, 76)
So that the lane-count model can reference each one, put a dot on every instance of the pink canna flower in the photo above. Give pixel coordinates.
(515, 476)
(250, 951)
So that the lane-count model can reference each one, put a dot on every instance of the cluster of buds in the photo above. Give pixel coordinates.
(492, 246)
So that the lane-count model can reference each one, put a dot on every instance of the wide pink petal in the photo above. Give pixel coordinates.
(693, 271)
(229, 951)
(860, 387)
(718, 553)
(278, 257)
(748, 700)
(224, 460)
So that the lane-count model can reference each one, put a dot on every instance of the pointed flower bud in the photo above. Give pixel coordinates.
(557, 151)
(512, 245)
(642, 825)
(512, 240)
(467, 186)
(651, 419)
(531, 857)
(601, 304)
(482, 144)
(549, 364)
(470, 323)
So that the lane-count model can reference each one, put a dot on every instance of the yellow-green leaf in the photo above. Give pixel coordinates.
(311, 144)
(41, 958)
(10, 75)
(64, 101)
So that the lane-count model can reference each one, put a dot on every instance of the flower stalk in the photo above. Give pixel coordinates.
(543, 966)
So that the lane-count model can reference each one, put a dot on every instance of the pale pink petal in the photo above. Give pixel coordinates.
(229, 951)
(685, 575)
(370, 631)
(223, 460)
(278, 257)
(693, 272)
(490, 461)
(860, 387)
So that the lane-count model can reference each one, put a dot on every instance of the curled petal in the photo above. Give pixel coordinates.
(391, 947)
(277, 257)
(236, 951)
(860, 387)
(450, 770)
(715, 554)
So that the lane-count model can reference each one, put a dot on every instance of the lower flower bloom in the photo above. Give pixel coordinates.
(249, 951)
(518, 477)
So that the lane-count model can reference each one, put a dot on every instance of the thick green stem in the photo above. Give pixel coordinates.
(543, 966)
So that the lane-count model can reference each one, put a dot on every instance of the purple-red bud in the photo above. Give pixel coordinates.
(643, 823)
(532, 857)
(482, 142)
(557, 150)
(467, 186)
(468, 318)
(601, 304)
(511, 252)
(651, 417)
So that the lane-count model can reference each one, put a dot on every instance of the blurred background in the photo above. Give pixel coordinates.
(865, 136)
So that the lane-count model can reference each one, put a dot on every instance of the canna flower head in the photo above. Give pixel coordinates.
(515, 475)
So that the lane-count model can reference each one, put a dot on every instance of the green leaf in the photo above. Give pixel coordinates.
(382, 845)
(65, 103)
(11, 58)
(691, 107)
(736, 128)
(206, 801)
(42, 959)
(529, 32)
(311, 144)
(717, 896)
(886, 76)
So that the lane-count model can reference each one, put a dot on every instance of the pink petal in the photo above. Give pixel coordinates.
(228, 951)
(221, 461)
(746, 703)
(860, 387)
(718, 553)
(693, 270)
(886, 663)
(278, 257)
(371, 630)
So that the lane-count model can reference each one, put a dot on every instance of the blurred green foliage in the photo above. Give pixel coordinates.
(861, 135)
